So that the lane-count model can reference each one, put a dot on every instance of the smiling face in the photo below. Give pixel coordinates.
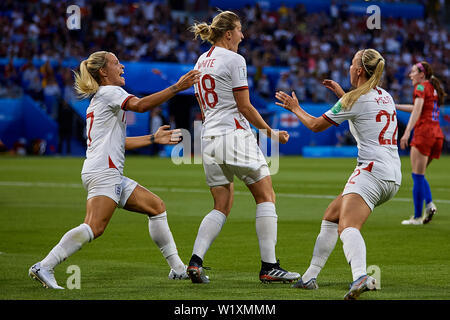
(416, 76)
(112, 72)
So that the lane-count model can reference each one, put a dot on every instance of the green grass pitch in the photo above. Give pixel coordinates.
(42, 198)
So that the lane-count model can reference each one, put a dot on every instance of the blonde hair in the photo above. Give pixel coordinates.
(223, 22)
(373, 65)
(87, 80)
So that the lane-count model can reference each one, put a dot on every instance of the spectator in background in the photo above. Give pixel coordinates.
(263, 86)
(32, 82)
(156, 121)
(52, 95)
(65, 122)
(284, 84)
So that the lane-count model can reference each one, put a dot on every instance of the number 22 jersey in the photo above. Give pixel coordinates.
(373, 123)
(223, 72)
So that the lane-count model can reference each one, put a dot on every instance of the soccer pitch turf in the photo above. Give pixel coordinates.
(42, 198)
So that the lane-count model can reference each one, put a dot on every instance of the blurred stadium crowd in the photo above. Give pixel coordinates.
(313, 46)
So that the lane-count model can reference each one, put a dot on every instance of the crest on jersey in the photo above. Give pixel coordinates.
(420, 87)
(242, 73)
(337, 107)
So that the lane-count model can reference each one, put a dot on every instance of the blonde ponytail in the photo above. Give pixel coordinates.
(202, 30)
(373, 65)
(223, 22)
(87, 80)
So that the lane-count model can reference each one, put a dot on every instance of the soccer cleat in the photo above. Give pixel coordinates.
(44, 276)
(175, 276)
(413, 221)
(196, 273)
(309, 285)
(430, 211)
(277, 274)
(360, 285)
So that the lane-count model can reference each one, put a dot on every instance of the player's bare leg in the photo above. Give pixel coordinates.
(266, 230)
(144, 201)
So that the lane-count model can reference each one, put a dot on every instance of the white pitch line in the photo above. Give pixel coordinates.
(190, 190)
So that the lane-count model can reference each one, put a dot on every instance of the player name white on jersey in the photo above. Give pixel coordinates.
(106, 130)
(223, 72)
(373, 123)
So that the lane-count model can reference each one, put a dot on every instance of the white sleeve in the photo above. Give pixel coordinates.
(117, 98)
(238, 69)
(336, 115)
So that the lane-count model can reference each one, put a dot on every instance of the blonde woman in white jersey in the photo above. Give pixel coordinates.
(372, 118)
(229, 147)
(100, 76)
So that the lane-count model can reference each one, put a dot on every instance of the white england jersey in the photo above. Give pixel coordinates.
(373, 123)
(106, 126)
(223, 72)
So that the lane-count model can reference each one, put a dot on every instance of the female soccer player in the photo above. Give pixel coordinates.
(102, 174)
(428, 138)
(229, 147)
(370, 111)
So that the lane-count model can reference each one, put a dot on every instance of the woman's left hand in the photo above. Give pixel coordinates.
(165, 136)
(288, 102)
(404, 140)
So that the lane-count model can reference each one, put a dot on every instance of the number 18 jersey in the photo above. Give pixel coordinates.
(223, 72)
(373, 122)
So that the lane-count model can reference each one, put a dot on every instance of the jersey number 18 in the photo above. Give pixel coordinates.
(208, 96)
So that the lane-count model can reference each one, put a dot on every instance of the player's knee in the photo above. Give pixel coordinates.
(156, 207)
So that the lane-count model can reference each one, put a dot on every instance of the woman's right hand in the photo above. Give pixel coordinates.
(187, 80)
(334, 86)
(281, 136)
(288, 102)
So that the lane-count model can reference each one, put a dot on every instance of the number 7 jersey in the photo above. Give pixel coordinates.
(223, 72)
(106, 130)
(373, 123)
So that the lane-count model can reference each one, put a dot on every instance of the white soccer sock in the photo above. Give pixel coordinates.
(162, 236)
(325, 243)
(209, 229)
(355, 251)
(266, 230)
(70, 243)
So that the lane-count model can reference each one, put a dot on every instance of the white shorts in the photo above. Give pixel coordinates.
(109, 183)
(373, 190)
(236, 153)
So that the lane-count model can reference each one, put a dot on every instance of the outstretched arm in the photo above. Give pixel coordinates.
(161, 136)
(149, 102)
(291, 103)
(334, 86)
(405, 107)
(245, 107)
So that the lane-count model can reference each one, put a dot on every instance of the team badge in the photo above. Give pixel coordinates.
(118, 189)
